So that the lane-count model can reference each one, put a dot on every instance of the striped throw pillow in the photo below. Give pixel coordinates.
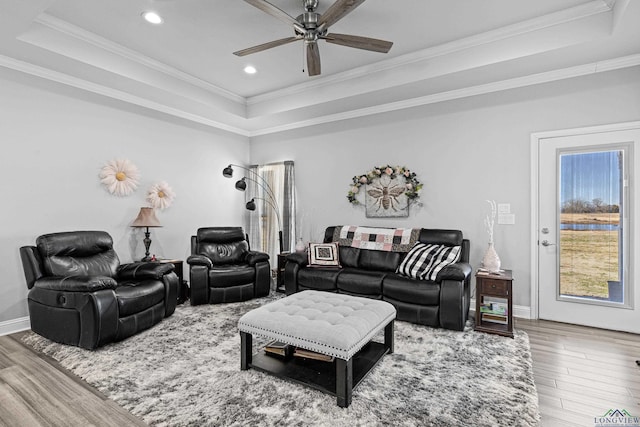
(424, 261)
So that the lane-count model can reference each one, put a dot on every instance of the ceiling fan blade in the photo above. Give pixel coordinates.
(359, 42)
(265, 46)
(313, 59)
(276, 12)
(337, 11)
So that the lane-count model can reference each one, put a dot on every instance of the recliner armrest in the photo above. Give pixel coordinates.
(299, 258)
(144, 270)
(458, 271)
(199, 260)
(254, 257)
(76, 283)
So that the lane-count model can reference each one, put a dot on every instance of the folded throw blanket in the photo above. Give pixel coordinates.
(379, 239)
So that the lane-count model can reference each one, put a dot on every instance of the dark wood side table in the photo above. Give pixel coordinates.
(494, 302)
(183, 289)
(282, 260)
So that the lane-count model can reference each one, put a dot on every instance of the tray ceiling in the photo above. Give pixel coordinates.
(185, 66)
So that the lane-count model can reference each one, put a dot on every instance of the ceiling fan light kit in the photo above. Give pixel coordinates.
(311, 26)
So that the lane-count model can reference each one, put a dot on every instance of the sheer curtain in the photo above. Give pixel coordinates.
(265, 222)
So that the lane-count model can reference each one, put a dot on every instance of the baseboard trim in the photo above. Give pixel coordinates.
(521, 311)
(15, 325)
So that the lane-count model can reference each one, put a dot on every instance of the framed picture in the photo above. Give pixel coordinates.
(385, 198)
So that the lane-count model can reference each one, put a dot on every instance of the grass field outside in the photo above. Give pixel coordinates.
(588, 258)
(590, 218)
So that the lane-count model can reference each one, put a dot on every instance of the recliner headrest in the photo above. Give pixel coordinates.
(78, 253)
(74, 243)
(220, 234)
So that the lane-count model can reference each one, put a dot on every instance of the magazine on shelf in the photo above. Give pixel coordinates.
(499, 308)
(278, 348)
(495, 318)
(308, 354)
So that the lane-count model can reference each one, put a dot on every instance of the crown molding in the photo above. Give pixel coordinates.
(65, 27)
(545, 77)
(583, 11)
(550, 76)
(56, 76)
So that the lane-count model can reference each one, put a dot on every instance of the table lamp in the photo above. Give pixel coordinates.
(146, 218)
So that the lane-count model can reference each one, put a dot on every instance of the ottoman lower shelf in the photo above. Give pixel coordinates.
(317, 374)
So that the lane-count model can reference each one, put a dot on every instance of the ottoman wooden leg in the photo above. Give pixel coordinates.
(246, 348)
(388, 336)
(344, 382)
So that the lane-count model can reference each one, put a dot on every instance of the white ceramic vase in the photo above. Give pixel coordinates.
(300, 246)
(491, 260)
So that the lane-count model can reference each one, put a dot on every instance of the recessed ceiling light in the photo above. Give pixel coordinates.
(152, 17)
(250, 69)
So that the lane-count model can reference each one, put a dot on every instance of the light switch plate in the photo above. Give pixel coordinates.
(504, 208)
(507, 219)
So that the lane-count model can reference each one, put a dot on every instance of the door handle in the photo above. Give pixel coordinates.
(547, 243)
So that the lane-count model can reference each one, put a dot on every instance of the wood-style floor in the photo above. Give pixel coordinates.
(580, 373)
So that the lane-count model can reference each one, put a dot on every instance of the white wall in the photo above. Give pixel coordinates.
(55, 139)
(54, 142)
(465, 152)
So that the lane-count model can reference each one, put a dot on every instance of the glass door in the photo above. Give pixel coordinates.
(585, 223)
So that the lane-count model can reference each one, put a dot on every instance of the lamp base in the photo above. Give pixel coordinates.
(147, 244)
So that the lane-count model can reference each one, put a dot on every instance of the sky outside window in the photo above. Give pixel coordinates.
(589, 176)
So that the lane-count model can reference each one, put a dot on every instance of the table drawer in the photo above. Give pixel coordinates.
(494, 287)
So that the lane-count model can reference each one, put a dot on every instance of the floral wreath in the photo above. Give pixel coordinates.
(413, 186)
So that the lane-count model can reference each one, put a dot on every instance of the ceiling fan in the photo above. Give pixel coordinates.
(311, 26)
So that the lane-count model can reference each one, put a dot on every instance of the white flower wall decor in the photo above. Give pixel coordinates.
(160, 195)
(120, 177)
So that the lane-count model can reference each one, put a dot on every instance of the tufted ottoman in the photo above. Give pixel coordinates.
(333, 324)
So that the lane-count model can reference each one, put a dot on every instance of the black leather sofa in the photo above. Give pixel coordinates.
(371, 273)
(223, 269)
(80, 294)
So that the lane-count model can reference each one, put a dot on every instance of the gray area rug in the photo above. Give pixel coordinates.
(186, 371)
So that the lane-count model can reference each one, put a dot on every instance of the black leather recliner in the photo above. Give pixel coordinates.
(223, 269)
(81, 295)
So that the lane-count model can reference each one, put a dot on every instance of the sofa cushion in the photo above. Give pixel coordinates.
(349, 256)
(134, 297)
(361, 282)
(406, 289)
(320, 278)
(225, 276)
(424, 261)
(428, 315)
(379, 260)
(441, 237)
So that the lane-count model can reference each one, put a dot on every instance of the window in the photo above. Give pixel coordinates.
(275, 208)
